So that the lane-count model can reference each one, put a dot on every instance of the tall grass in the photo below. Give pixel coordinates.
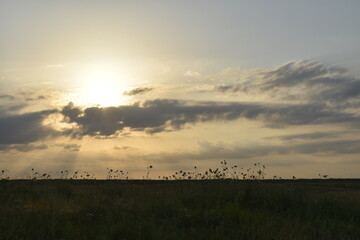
(256, 172)
(228, 202)
(211, 209)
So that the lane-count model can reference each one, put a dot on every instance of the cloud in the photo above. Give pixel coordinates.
(164, 115)
(17, 107)
(154, 116)
(215, 151)
(25, 128)
(40, 97)
(225, 88)
(305, 81)
(138, 91)
(6, 110)
(22, 147)
(123, 147)
(294, 73)
(308, 136)
(70, 147)
(7, 96)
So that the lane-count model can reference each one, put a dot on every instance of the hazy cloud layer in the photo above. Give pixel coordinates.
(314, 94)
(209, 151)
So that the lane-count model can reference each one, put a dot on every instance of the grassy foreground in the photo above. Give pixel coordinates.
(208, 209)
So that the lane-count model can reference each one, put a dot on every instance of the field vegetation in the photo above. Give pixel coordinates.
(214, 207)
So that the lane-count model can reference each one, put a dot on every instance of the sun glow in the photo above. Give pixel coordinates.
(102, 86)
(101, 94)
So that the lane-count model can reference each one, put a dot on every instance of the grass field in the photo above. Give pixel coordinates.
(182, 209)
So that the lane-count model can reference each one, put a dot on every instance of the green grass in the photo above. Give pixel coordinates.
(199, 209)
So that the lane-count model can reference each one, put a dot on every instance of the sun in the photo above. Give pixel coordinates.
(101, 94)
(102, 86)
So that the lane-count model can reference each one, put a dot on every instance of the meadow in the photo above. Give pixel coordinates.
(180, 209)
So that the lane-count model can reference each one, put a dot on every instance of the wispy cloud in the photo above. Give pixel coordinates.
(138, 91)
(22, 147)
(7, 96)
(309, 136)
(124, 147)
(305, 81)
(70, 147)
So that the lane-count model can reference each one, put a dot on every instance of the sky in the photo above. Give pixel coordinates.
(91, 85)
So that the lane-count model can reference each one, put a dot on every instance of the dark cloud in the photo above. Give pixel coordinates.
(347, 90)
(168, 115)
(25, 128)
(71, 112)
(138, 91)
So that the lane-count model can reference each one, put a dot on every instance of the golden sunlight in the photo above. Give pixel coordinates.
(102, 85)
